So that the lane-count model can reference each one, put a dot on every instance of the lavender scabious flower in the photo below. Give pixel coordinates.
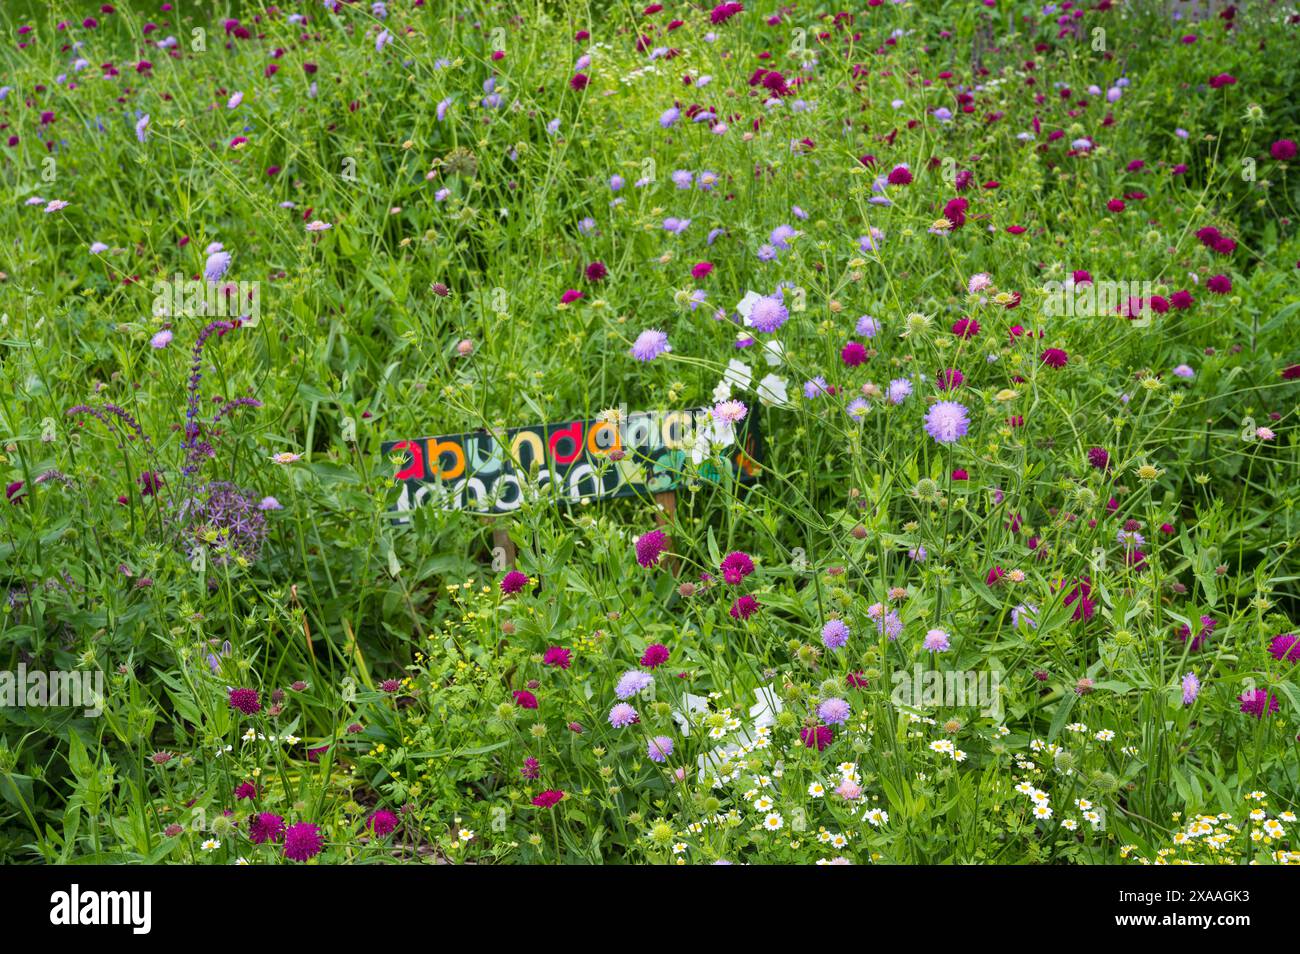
(835, 633)
(834, 712)
(649, 345)
(660, 748)
(631, 683)
(947, 422)
(1191, 688)
(622, 715)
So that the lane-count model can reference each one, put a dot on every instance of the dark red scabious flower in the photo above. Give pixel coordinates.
(1289, 373)
(701, 269)
(596, 271)
(650, 547)
(390, 685)
(1285, 647)
(1222, 80)
(1283, 150)
(816, 737)
(303, 841)
(960, 474)
(1207, 629)
(525, 699)
(1181, 300)
(900, 175)
(246, 701)
(853, 353)
(549, 798)
(955, 212)
(13, 492)
(1055, 358)
(1256, 702)
(1082, 277)
(1115, 205)
(949, 379)
(744, 607)
(245, 791)
(995, 576)
(513, 582)
(1098, 457)
(655, 655)
(856, 680)
(966, 328)
(724, 12)
(736, 566)
(1219, 284)
(579, 81)
(264, 827)
(557, 656)
(570, 296)
(382, 822)
(1080, 598)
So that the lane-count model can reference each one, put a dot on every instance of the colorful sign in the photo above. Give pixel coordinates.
(642, 453)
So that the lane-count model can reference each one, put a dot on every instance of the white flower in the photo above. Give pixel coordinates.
(772, 391)
(738, 374)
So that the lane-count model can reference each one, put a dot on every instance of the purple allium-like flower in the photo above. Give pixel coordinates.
(1191, 688)
(513, 582)
(1285, 647)
(659, 748)
(631, 683)
(947, 422)
(736, 566)
(834, 711)
(655, 655)
(650, 547)
(649, 345)
(264, 827)
(622, 715)
(1256, 702)
(768, 314)
(835, 633)
(246, 701)
(556, 656)
(382, 822)
(303, 841)
(936, 641)
(223, 520)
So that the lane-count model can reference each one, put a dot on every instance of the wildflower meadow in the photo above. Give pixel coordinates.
(583, 432)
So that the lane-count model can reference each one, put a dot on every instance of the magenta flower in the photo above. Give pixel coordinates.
(650, 547)
(303, 841)
(736, 566)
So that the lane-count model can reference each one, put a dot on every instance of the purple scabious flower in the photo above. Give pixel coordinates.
(669, 116)
(815, 387)
(217, 265)
(900, 389)
(659, 748)
(768, 314)
(622, 715)
(1285, 647)
(246, 701)
(947, 422)
(781, 235)
(1191, 688)
(936, 641)
(303, 841)
(513, 582)
(264, 827)
(857, 408)
(835, 633)
(649, 345)
(650, 547)
(631, 683)
(867, 326)
(382, 822)
(834, 711)
(1025, 613)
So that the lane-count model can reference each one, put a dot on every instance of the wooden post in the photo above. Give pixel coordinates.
(665, 512)
(501, 541)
